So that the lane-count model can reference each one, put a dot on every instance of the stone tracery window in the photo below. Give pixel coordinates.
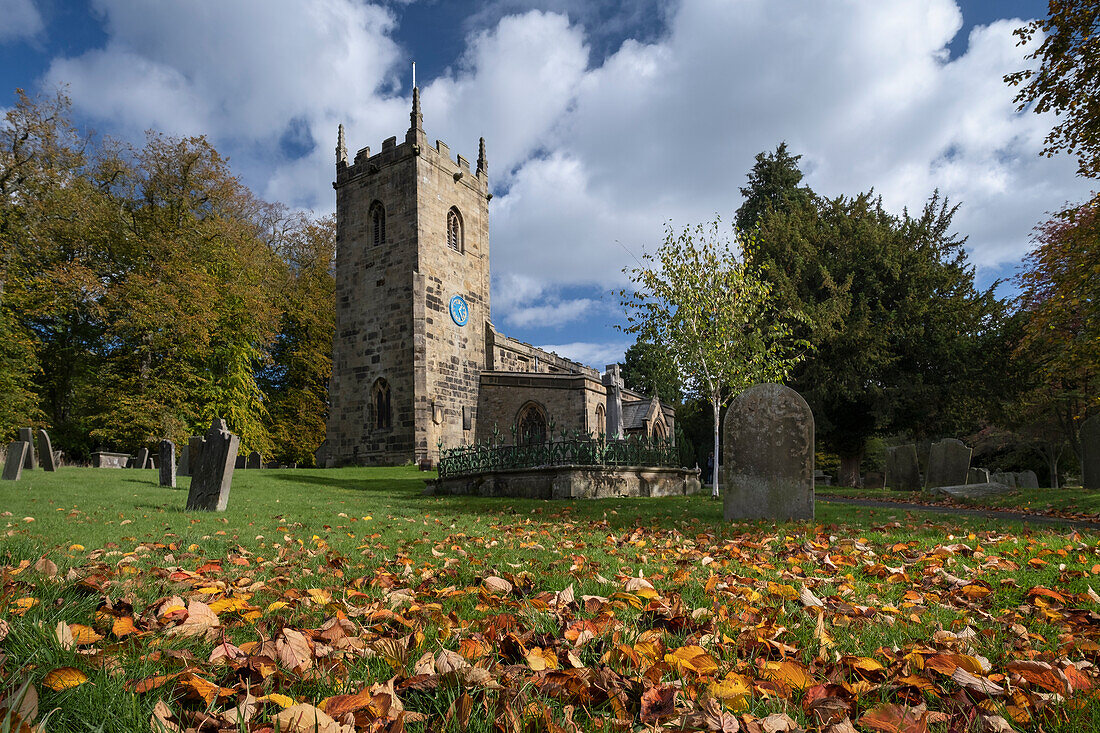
(380, 402)
(378, 223)
(454, 230)
(659, 431)
(531, 423)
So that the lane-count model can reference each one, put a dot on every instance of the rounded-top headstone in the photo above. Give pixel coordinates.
(769, 455)
(1090, 453)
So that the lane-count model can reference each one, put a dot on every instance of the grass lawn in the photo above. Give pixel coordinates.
(349, 592)
(1057, 502)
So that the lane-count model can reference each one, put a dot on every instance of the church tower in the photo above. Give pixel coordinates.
(412, 300)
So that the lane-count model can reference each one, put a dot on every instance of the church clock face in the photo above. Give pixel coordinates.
(460, 312)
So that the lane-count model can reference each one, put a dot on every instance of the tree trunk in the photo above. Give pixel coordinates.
(1052, 466)
(849, 470)
(717, 455)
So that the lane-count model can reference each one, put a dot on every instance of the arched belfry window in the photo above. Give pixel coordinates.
(380, 405)
(601, 420)
(531, 423)
(377, 223)
(454, 230)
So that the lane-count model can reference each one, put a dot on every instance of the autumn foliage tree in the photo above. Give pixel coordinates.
(148, 290)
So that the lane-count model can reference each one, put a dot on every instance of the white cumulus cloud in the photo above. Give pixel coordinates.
(21, 19)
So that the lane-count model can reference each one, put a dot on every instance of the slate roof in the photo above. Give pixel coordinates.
(634, 414)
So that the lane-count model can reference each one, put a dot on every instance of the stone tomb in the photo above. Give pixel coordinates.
(902, 469)
(26, 435)
(1090, 453)
(107, 459)
(167, 463)
(17, 455)
(948, 463)
(972, 491)
(45, 452)
(213, 473)
(768, 455)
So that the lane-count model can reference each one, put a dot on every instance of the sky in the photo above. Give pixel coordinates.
(604, 121)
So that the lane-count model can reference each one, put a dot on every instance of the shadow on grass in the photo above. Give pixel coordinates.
(390, 484)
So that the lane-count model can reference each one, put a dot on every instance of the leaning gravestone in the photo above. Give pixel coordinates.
(948, 463)
(45, 452)
(212, 475)
(902, 469)
(254, 460)
(13, 465)
(1090, 453)
(977, 476)
(26, 435)
(1027, 480)
(768, 456)
(167, 463)
(142, 458)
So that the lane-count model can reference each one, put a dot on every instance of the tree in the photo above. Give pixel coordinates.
(650, 370)
(773, 186)
(1060, 301)
(695, 298)
(891, 310)
(1067, 81)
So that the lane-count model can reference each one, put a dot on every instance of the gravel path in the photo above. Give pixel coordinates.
(986, 513)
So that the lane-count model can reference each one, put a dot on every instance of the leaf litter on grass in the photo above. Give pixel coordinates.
(762, 631)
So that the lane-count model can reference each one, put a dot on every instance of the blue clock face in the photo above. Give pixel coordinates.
(460, 312)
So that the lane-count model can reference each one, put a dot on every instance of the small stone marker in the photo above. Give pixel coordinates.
(977, 476)
(254, 460)
(213, 474)
(768, 456)
(26, 435)
(45, 452)
(17, 455)
(167, 463)
(902, 469)
(948, 463)
(195, 443)
(142, 458)
(1027, 480)
(1090, 453)
(1006, 479)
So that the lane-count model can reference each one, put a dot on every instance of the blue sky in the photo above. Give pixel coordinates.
(603, 120)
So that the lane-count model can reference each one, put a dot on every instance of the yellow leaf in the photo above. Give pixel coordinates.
(539, 659)
(22, 605)
(283, 701)
(693, 659)
(789, 673)
(84, 634)
(734, 691)
(276, 606)
(63, 678)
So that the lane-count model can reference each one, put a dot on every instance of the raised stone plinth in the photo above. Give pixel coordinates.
(768, 455)
(107, 459)
(573, 482)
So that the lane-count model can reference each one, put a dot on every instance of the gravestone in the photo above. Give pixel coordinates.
(26, 435)
(977, 476)
(768, 456)
(167, 463)
(1027, 480)
(1090, 453)
(45, 452)
(240, 462)
(948, 463)
(902, 469)
(972, 491)
(195, 443)
(13, 464)
(614, 416)
(874, 480)
(254, 460)
(1008, 479)
(213, 474)
(185, 461)
(142, 458)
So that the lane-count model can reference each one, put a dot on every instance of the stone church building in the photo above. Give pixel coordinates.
(416, 360)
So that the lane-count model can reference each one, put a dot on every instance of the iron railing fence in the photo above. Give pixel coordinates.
(576, 450)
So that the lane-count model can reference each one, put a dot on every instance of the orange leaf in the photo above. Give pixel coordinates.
(789, 673)
(63, 678)
(890, 718)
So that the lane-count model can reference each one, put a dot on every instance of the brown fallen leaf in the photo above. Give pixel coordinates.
(976, 684)
(161, 721)
(200, 621)
(493, 584)
(891, 718)
(710, 717)
(305, 718)
(47, 567)
(658, 703)
(293, 650)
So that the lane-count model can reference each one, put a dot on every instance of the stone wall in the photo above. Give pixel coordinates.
(569, 400)
(509, 355)
(574, 482)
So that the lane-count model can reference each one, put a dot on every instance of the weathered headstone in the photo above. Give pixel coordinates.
(213, 474)
(185, 461)
(26, 435)
(613, 380)
(768, 456)
(195, 443)
(1027, 480)
(948, 463)
(142, 458)
(1090, 453)
(45, 452)
(254, 460)
(902, 469)
(13, 464)
(1008, 479)
(977, 476)
(873, 480)
(167, 463)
